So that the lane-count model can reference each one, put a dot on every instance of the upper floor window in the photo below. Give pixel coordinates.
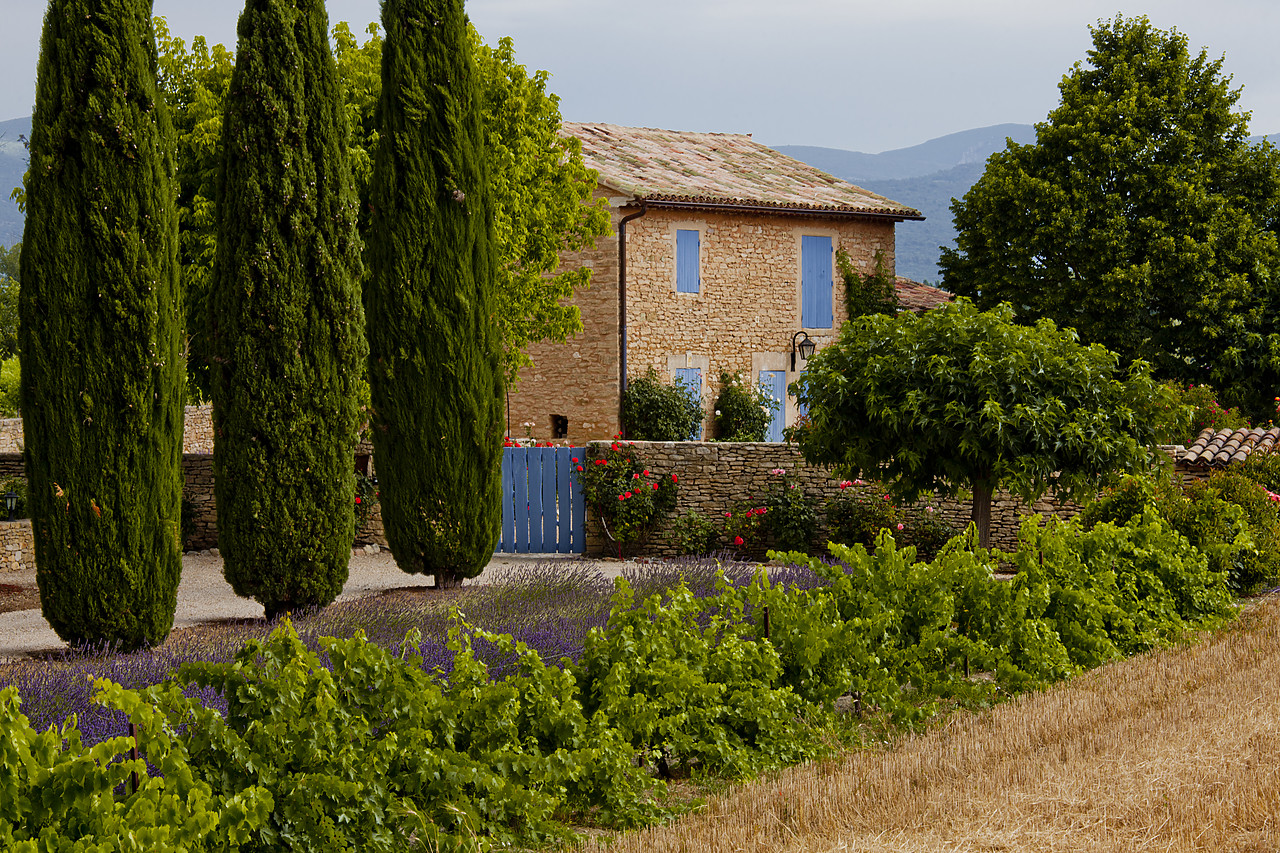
(815, 282)
(688, 247)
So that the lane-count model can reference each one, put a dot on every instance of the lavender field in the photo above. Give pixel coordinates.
(549, 606)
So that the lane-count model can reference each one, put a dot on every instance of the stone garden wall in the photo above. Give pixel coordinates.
(715, 477)
(17, 548)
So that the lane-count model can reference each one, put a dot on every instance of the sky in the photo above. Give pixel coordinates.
(864, 76)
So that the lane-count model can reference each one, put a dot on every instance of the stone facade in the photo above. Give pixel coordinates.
(742, 319)
(715, 477)
(578, 379)
(17, 547)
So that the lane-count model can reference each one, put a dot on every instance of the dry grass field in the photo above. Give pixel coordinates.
(1173, 751)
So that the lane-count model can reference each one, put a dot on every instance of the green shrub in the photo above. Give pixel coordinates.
(792, 516)
(10, 383)
(1193, 409)
(1230, 519)
(694, 534)
(653, 410)
(1258, 566)
(927, 531)
(858, 514)
(56, 794)
(366, 499)
(624, 497)
(873, 293)
(743, 412)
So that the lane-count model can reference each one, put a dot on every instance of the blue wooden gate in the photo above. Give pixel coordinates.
(543, 508)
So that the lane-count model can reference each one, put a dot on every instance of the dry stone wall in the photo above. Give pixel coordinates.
(715, 477)
(17, 547)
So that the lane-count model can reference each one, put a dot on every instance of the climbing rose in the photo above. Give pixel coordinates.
(737, 540)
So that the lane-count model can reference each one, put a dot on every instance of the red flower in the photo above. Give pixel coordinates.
(655, 487)
(673, 479)
(579, 467)
(737, 540)
(357, 499)
(646, 473)
(629, 494)
(622, 497)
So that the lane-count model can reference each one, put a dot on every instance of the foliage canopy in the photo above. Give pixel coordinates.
(102, 384)
(435, 375)
(286, 323)
(961, 398)
(1141, 217)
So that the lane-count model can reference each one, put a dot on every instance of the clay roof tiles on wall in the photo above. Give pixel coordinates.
(1219, 449)
(917, 297)
(718, 170)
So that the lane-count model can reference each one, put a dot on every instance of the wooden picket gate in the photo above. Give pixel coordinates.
(543, 508)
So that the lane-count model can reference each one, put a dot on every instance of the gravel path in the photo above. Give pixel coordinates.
(205, 596)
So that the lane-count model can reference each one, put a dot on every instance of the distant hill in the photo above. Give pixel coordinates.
(13, 165)
(936, 155)
(925, 176)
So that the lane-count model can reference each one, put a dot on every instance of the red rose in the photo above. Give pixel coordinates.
(357, 499)
(737, 540)
(673, 479)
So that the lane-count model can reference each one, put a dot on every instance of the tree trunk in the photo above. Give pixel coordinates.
(981, 513)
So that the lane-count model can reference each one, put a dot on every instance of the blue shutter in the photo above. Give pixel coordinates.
(815, 282)
(691, 379)
(774, 384)
(687, 248)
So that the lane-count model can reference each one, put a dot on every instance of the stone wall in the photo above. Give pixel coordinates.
(17, 547)
(715, 477)
(742, 319)
(11, 435)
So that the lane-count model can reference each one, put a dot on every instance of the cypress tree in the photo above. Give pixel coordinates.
(286, 320)
(100, 330)
(434, 372)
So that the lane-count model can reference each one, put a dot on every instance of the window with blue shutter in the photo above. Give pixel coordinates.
(687, 248)
(691, 379)
(815, 282)
(774, 384)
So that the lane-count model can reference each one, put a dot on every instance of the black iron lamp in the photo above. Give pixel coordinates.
(11, 503)
(805, 346)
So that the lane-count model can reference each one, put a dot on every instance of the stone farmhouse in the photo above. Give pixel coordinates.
(722, 259)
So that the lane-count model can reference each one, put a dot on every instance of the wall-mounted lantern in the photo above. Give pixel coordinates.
(805, 346)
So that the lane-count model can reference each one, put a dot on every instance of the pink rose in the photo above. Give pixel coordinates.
(900, 525)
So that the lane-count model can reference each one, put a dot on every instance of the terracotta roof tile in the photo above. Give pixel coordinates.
(1218, 449)
(717, 170)
(917, 297)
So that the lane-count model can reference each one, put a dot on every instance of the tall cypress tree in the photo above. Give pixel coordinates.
(100, 332)
(434, 372)
(286, 320)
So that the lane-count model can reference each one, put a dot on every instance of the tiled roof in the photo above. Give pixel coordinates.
(718, 170)
(917, 297)
(1218, 449)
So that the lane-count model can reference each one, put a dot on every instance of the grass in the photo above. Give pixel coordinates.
(1175, 750)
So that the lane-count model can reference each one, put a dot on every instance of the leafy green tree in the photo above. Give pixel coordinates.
(956, 398)
(540, 189)
(101, 330)
(435, 374)
(194, 83)
(286, 324)
(1141, 217)
(9, 278)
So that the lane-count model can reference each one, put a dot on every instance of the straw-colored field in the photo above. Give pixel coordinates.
(1174, 751)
